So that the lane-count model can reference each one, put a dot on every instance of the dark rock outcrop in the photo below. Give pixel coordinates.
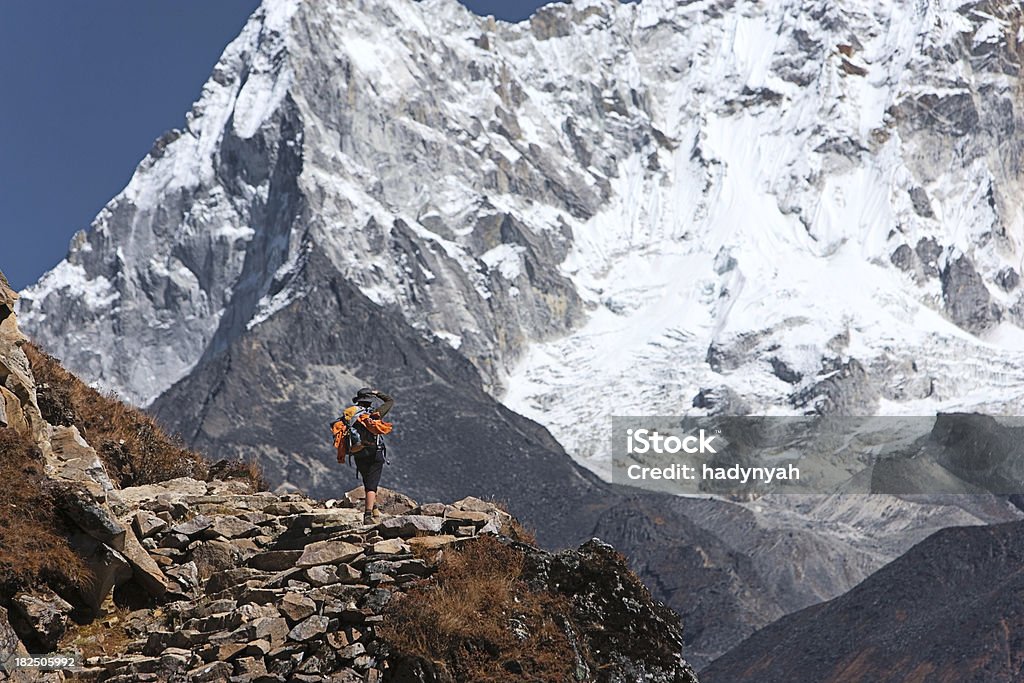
(40, 620)
(635, 638)
(844, 388)
(968, 301)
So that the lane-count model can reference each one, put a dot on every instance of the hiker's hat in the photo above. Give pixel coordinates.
(364, 395)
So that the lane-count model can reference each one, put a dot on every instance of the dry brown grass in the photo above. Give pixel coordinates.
(33, 547)
(133, 447)
(479, 621)
(107, 636)
(237, 469)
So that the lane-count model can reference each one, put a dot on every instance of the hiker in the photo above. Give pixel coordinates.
(359, 433)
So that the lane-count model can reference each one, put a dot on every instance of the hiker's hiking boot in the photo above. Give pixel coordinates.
(368, 517)
(376, 513)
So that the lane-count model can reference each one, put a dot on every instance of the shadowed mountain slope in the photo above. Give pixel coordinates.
(948, 610)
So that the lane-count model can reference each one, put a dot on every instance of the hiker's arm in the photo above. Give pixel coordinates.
(384, 407)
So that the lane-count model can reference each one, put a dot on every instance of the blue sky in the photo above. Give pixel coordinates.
(85, 89)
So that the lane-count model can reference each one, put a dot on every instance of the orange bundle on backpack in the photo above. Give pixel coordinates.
(355, 429)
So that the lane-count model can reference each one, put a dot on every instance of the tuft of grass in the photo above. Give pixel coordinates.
(107, 636)
(133, 447)
(247, 470)
(476, 619)
(33, 545)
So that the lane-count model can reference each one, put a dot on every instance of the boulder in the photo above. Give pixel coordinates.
(173, 489)
(248, 668)
(310, 628)
(175, 541)
(92, 517)
(323, 518)
(338, 639)
(192, 527)
(252, 611)
(232, 527)
(390, 547)
(468, 516)
(418, 567)
(406, 526)
(216, 671)
(273, 629)
(174, 661)
(375, 600)
(76, 461)
(215, 556)
(283, 578)
(8, 298)
(324, 574)
(380, 567)
(11, 414)
(432, 509)
(145, 523)
(473, 504)
(275, 560)
(388, 501)
(328, 552)
(287, 508)
(430, 542)
(253, 595)
(296, 607)
(967, 299)
(145, 570)
(258, 648)
(229, 650)
(40, 619)
(352, 651)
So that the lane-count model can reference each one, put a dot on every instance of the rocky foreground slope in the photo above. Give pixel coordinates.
(185, 579)
(261, 587)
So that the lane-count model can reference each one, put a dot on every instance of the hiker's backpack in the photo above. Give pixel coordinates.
(356, 429)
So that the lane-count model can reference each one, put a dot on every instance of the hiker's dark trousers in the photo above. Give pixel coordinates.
(370, 466)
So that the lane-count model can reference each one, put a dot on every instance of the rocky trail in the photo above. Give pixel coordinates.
(264, 587)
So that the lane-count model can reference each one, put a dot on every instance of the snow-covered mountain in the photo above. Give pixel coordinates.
(656, 207)
(657, 204)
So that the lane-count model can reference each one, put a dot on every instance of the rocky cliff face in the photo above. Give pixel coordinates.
(18, 408)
